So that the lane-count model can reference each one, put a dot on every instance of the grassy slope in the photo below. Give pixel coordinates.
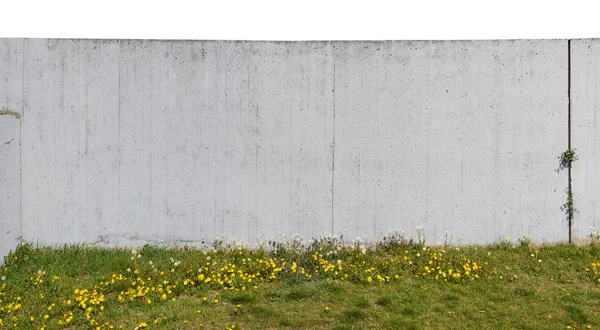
(514, 290)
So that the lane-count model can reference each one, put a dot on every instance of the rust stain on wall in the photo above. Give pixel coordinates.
(10, 113)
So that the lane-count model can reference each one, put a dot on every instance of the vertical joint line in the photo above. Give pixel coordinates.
(569, 187)
(333, 150)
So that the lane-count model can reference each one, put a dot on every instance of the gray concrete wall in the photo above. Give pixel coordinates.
(128, 142)
(11, 106)
(585, 110)
(453, 136)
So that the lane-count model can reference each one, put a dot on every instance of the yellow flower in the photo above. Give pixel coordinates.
(46, 316)
(327, 308)
(369, 279)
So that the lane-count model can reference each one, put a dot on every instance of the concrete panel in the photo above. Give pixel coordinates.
(453, 136)
(585, 134)
(11, 106)
(129, 142)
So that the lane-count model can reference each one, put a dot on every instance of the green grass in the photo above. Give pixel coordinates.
(511, 289)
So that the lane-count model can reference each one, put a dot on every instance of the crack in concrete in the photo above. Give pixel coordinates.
(7, 142)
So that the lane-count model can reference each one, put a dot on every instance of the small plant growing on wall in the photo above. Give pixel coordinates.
(570, 204)
(594, 236)
(568, 157)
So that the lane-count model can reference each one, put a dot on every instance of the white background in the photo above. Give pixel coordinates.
(300, 20)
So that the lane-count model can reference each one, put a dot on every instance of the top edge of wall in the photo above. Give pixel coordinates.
(299, 41)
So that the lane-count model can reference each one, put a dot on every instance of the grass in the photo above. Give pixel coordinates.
(397, 286)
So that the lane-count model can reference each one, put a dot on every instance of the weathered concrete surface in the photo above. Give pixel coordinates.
(585, 136)
(11, 105)
(10, 186)
(453, 136)
(135, 141)
(127, 142)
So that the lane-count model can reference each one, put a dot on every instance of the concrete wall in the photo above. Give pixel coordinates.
(585, 110)
(128, 142)
(453, 136)
(11, 106)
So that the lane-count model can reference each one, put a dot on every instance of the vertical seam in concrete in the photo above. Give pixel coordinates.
(333, 150)
(569, 186)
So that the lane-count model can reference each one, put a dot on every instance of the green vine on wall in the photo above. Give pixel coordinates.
(566, 161)
(569, 206)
